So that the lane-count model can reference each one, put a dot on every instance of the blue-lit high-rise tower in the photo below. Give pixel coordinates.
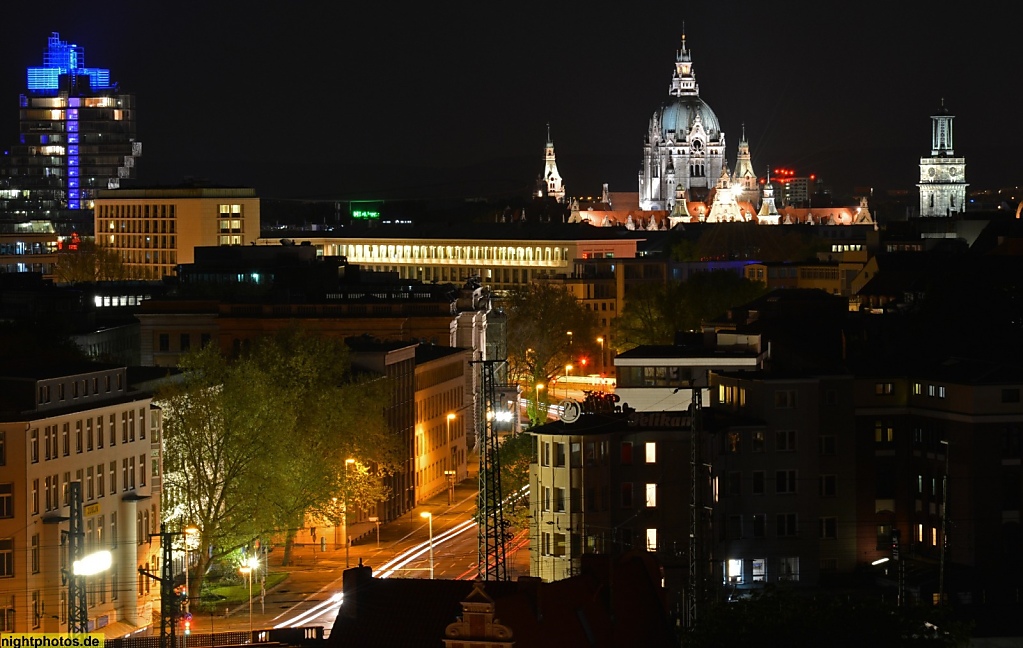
(77, 136)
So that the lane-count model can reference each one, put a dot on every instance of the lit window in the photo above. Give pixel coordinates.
(651, 495)
(651, 539)
(934, 536)
(651, 452)
(919, 532)
(759, 570)
(733, 571)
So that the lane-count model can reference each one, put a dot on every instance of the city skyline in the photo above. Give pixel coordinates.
(351, 103)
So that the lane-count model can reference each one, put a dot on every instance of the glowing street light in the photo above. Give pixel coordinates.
(600, 341)
(247, 568)
(92, 564)
(344, 513)
(429, 516)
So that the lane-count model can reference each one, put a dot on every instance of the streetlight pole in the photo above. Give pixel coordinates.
(429, 517)
(600, 340)
(451, 448)
(568, 372)
(247, 568)
(344, 514)
(944, 527)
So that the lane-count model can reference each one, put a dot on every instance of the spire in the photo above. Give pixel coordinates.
(683, 81)
(549, 142)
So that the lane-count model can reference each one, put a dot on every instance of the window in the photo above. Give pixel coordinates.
(917, 389)
(883, 433)
(651, 495)
(35, 446)
(7, 500)
(828, 485)
(100, 482)
(651, 539)
(651, 451)
(626, 494)
(734, 484)
(559, 455)
(113, 429)
(66, 438)
(759, 570)
(733, 571)
(884, 389)
(185, 342)
(88, 435)
(788, 569)
(786, 525)
(829, 528)
(934, 536)
(733, 442)
(113, 478)
(758, 482)
(90, 492)
(626, 453)
(6, 557)
(930, 390)
(785, 398)
(164, 342)
(124, 474)
(559, 544)
(35, 497)
(785, 481)
(78, 437)
(941, 392)
(99, 432)
(545, 545)
(733, 529)
(785, 440)
(559, 500)
(35, 553)
(758, 441)
(827, 444)
(142, 471)
(545, 453)
(759, 525)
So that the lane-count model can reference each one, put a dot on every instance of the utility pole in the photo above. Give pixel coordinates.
(169, 603)
(78, 611)
(491, 563)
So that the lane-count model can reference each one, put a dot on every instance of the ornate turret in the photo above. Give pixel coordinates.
(768, 214)
(744, 174)
(550, 183)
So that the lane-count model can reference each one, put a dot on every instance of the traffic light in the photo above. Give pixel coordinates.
(187, 623)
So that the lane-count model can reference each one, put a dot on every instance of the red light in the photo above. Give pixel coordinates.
(813, 177)
(583, 361)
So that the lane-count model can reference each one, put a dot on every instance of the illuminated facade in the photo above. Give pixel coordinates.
(550, 183)
(684, 156)
(154, 230)
(78, 424)
(77, 136)
(500, 263)
(942, 175)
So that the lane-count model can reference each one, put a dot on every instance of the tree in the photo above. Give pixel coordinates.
(254, 444)
(336, 416)
(654, 313)
(540, 317)
(515, 454)
(215, 425)
(88, 264)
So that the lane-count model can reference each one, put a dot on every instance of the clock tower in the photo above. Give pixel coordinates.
(942, 175)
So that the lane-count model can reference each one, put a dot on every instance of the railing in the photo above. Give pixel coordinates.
(307, 636)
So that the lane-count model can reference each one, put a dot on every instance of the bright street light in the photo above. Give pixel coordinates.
(429, 516)
(92, 564)
(247, 568)
(344, 513)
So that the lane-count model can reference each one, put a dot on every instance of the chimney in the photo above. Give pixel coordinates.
(354, 580)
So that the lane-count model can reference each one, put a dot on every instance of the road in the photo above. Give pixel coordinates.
(311, 595)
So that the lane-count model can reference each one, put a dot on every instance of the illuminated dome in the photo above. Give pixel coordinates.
(678, 115)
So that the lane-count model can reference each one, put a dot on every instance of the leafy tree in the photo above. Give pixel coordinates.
(540, 316)
(215, 425)
(515, 454)
(333, 416)
(88, 264)
(653, 313)
(254, 444)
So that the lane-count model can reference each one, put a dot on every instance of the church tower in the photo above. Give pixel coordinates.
(942, 175)
(550, 183)
(744, 175)
(768, 214)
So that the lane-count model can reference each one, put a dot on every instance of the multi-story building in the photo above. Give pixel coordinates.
(77, 137)
(77, 424)
(155, 230)
(938, 462)
(443, 414)
(608, 483)
(785, 490)
(502, 256)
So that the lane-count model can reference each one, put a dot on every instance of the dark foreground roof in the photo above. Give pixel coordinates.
(613, 602)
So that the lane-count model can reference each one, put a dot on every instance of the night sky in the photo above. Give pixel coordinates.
(451, 99)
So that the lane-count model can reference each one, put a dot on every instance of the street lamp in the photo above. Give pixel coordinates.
(450, 474)
(191, 538)
(451, 448)
(429, 516)
(344, 513)
(568, 372)
(600, 341)
(569, 334)
(247, 568)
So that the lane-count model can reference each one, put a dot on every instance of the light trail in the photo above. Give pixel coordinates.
(398, 562)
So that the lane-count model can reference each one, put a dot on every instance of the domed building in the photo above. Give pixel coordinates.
(684, 148)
